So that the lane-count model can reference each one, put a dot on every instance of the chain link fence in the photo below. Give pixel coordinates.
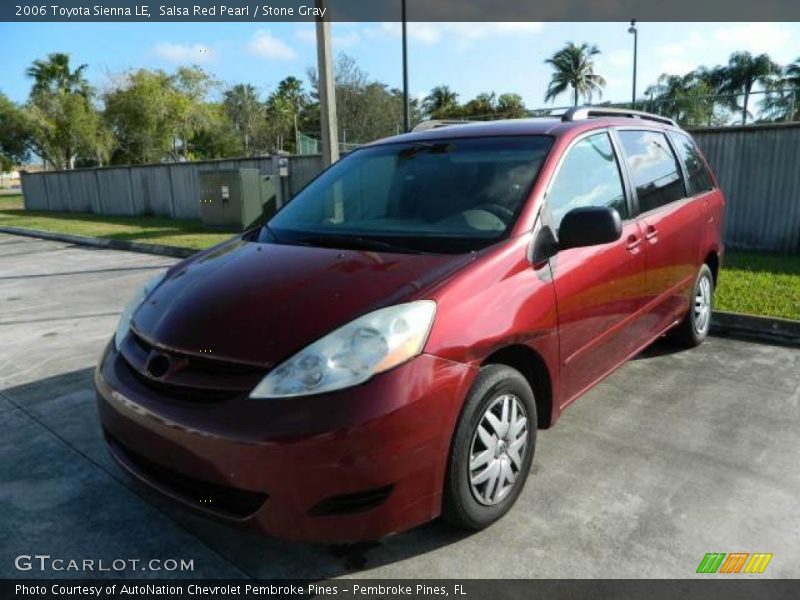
(308, 144)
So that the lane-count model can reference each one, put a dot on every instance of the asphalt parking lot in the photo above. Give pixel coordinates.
(675, 455)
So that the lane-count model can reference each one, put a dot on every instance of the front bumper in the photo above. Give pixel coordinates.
(358, 464)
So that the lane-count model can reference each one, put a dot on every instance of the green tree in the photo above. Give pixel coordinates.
(481, 106)
(279, 118)
(55, 75)
(63, 121)
(689, 98)
(218, 136)
(511, 106)
(15, 134)
(366, 109)
(246, 113)
(156, 116)
(782, 101)
(441, 103)
(290, 91)
(743, 71)
(573, 67)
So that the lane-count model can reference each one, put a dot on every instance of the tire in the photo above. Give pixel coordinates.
(474, 506)
(693, 330)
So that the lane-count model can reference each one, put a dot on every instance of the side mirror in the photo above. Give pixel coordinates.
(589, 226)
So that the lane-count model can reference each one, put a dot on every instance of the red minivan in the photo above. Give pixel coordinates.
(384, 349)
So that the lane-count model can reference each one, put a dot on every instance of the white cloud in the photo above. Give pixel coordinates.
(306, 34)
(265, 45)
(772, 38)
(345, 40)
(713, 47)
(463, 34)
(183, 53)
(619, 58)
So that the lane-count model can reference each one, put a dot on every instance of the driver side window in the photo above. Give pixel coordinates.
(589, 176)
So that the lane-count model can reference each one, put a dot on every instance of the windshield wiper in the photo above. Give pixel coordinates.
(356, 242)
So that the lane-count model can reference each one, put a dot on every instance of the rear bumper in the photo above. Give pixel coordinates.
(354, 465)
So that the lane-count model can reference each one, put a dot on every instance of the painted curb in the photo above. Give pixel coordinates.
(174, 251)
(769, 329)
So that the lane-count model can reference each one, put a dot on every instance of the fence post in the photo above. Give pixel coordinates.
(280, 195)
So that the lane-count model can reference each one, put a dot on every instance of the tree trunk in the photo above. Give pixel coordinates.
(575, 92)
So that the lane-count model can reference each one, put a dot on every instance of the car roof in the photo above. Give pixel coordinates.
(553, 126)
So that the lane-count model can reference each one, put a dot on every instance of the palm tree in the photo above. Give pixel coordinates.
(689, 98)
(441, 102)
(792, 74)
(291, 91)
(791, 78)
(745, 70)
(55, 75)
(573, 67)
(782, 101)
(243, 109)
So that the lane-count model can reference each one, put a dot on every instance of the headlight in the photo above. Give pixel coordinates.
(353, 353)
(124, 324)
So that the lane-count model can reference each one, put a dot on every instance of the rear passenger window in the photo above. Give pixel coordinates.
(654, 169)
(699, 178)
(589, 176)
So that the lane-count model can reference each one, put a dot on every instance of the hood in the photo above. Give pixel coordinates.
(260, 303)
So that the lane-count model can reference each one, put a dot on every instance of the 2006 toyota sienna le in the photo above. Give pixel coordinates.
(384, 349)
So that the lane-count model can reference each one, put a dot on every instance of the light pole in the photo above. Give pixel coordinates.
(632, 29)
(406, 117)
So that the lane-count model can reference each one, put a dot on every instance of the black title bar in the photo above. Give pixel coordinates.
(390, 10)
(700, 588)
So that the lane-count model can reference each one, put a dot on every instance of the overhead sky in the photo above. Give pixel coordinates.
(469, 57)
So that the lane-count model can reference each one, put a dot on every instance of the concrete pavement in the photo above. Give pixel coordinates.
(675, 455)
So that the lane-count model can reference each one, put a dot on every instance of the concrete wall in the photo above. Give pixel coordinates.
(171, 190)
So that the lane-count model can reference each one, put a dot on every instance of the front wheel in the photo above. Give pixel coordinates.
(693, 330)
(492, 449)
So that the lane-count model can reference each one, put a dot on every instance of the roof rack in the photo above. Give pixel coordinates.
(437, 123)
(581, 113)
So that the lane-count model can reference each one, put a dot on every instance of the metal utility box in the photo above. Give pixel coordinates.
(236, 198)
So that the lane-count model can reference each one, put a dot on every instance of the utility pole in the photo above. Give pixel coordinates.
(406, 107)
(327, 91)
(633, 30)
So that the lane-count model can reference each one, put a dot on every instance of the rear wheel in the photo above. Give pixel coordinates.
(492, 449)
(693, 330)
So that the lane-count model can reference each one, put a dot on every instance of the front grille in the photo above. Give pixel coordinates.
(182, 392)
(193, 378)
(207, 365)
(223, 500)
(351, 503)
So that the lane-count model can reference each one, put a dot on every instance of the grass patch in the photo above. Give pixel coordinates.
(155, 230)
(756, 283)
(11, 202)
(760, 283)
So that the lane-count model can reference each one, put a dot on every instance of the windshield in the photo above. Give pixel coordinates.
(452, 195)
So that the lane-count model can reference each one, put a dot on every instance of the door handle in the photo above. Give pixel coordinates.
(651, 233)
(633, 243)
